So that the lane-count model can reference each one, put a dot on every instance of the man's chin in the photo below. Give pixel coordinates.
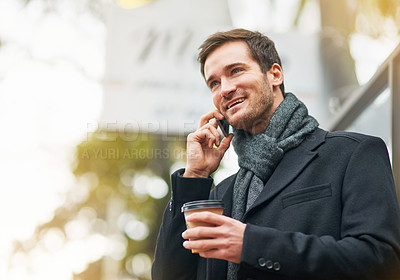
(255, 127)
(237, 124)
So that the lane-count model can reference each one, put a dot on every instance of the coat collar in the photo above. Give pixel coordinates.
(291, 165)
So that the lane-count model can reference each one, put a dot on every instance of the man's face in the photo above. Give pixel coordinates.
(241, 91)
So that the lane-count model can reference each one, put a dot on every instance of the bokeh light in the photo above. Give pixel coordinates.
(139, 264)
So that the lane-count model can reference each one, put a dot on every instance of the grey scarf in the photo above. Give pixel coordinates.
(259, 154)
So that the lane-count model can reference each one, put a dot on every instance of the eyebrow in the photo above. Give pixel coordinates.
(227, 67)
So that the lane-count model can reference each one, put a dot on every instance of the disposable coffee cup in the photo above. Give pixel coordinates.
(214, 206)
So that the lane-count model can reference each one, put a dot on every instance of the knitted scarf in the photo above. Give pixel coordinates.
(259, 154)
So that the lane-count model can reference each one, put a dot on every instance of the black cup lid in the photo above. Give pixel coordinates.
(199, 204)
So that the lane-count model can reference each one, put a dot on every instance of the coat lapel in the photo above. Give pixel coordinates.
(290, 167)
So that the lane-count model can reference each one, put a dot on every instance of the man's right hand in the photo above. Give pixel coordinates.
(204, 148)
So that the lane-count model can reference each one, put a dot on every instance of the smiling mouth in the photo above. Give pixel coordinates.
(240, 100)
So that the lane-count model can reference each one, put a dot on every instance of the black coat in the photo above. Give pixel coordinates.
(329, 211)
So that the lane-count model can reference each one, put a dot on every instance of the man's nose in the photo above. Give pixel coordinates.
(227, 87)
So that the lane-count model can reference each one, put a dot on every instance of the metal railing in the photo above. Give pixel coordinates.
(387, 76)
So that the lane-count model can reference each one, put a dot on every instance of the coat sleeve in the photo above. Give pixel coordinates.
(172, 260)
(368, 247)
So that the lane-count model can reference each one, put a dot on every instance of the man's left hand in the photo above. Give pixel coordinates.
(224, 241)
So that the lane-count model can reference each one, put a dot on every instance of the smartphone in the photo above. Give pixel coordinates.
(224, 126)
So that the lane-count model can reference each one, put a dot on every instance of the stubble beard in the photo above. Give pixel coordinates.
(259, 116)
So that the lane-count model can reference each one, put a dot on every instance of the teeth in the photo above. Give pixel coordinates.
(237, 101)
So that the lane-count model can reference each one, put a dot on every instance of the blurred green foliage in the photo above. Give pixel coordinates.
(107, 199)
(112, 156)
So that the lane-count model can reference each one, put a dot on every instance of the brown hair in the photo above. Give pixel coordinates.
(261, 48)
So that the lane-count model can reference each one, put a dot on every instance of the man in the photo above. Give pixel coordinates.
(305, 204)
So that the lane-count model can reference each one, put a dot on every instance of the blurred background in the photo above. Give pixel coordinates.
(97, 97)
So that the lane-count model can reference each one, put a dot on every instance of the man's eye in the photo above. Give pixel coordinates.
(213, 84)
(236, 70)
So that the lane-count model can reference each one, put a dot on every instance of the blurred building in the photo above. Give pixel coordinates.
(153, 81)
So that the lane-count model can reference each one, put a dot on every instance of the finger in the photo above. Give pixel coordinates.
(210, 115)
(213, 122)
(206, 118)
(203, 244)
(208, 217)
(206, 135)
(202, 232)
(213, 248)
(225, 144)
(212, 139)
(212, 128)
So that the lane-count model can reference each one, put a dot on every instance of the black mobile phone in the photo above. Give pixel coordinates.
(224, 126)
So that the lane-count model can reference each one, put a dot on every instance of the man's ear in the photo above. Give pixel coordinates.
(275, 75)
